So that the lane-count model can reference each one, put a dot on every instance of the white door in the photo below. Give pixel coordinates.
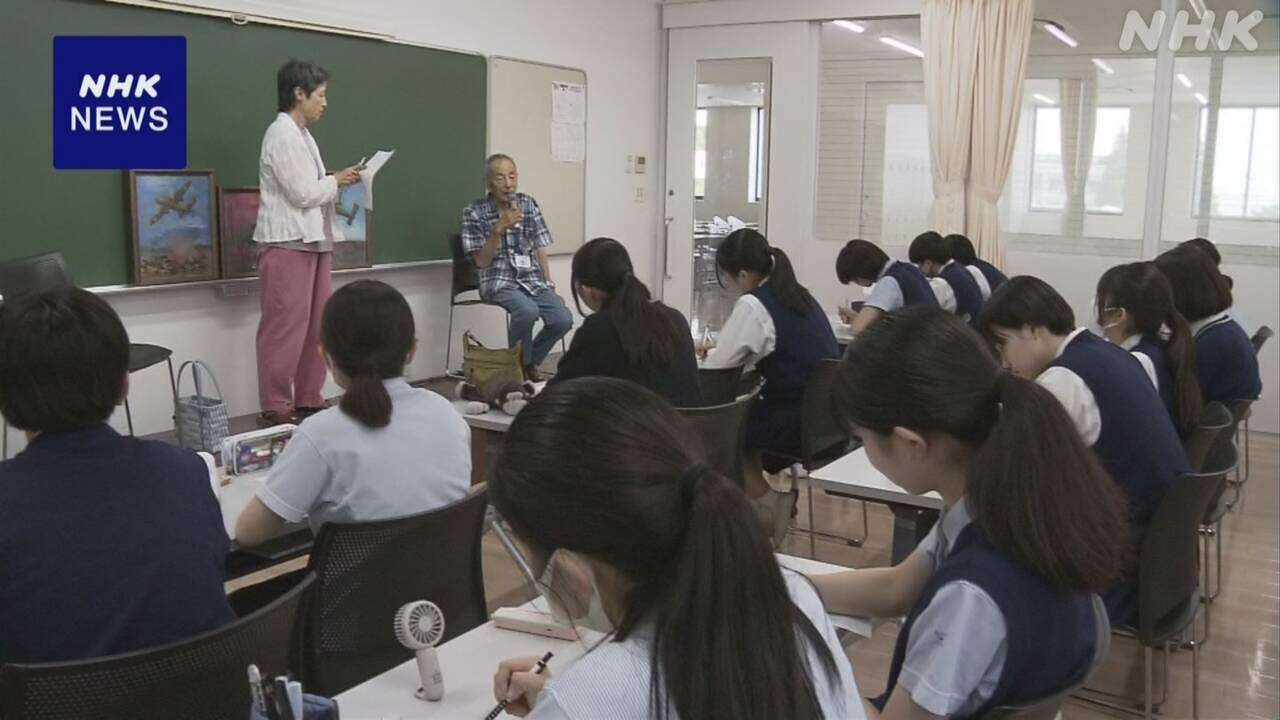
(783, 130)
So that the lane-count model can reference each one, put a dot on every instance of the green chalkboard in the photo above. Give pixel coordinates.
(429, 105)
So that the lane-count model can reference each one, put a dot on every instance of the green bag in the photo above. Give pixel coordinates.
(482, 365)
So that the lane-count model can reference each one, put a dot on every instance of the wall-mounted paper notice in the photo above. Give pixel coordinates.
(568, 103)
(568, 142)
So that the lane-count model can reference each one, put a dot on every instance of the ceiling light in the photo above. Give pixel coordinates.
(895, 43)
(1203, 100)
(849, 25)
(1103, 66)
(1044, 99)
(1057, 31)
(1186, 81)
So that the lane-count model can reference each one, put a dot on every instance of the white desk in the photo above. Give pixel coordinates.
(844, 333)
(468, 663)
(853, 476)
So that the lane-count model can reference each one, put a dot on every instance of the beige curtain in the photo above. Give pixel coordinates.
(1004, 32)
(949, 29)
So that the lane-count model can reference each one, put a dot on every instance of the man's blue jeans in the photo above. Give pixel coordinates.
(524, 310)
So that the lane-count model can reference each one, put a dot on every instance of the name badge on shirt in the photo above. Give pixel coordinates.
(523, 262)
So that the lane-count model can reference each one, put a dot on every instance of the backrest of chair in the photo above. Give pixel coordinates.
(719, 385)
(33, 274)
(366, 571)
(1221, 458)
(1047, 708)
(1215, 420)
(202, 678)
(465, 276)
(1261, 337)
(723, 429)
(820, 432)
(1168, 567)
(1240, 411)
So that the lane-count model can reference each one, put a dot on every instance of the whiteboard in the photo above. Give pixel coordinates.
(520, 125)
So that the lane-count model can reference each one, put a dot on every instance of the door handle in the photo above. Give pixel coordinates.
(666, 246)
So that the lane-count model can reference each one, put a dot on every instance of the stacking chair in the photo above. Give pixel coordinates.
(723, 429)
(1241, 411)
(48, 271)
(1168, 578)
(366, 571)
(1047, 708)
(822, 440)
(202, 678)
(1260, 338)
(1215, 420)
(719, 385)
(1224, 457)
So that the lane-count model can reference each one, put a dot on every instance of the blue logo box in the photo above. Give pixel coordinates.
(119, 102)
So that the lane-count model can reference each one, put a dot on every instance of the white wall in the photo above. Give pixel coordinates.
(617, 43)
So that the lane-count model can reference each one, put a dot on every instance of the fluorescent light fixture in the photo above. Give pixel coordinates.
(1057, 31)
(1044, 99)
(849, 25)
(1186, 81)
(1103, 66)
(1202, 99)
(896, 43)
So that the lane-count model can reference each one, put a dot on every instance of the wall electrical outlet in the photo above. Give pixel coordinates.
(640, 165)
(639, 194)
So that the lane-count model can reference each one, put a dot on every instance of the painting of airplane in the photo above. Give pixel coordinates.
(173, 202)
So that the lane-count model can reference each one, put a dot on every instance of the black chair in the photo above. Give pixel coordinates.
(366, 571)
(466, 279)
(723, 429)
(1215, 420)
(1225, 456)
(1260, 338)
(1241, 411)
(48, 271)
(1047, 708)
(202, 678)
(822, 440)
(719, 385)
(1169, 573)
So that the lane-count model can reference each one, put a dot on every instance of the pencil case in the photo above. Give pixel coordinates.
(256, 450)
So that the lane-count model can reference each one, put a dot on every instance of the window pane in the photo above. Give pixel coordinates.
(1264, 171)
(1231, 162)
(1047, 189)
(1104, 191)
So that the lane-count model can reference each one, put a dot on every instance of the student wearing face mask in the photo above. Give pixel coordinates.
(777, 326)
(1105, 391)
(893, 284)
(932, 254)
(706, 626)
(1136, 312)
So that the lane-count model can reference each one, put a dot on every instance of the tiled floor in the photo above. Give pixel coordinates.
(1238, 666)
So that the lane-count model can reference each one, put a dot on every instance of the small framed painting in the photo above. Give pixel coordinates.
(356, 224)
(237, 217)
(172, 227)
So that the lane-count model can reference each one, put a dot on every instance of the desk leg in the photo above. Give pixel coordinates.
(910, 525)
(485, 446)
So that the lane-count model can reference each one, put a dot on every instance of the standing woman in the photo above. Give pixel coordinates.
(706, 624)
(295, 236)
(777, 326)
(1136, 312)
(1226, 362)
(630, 335)
(998, 597)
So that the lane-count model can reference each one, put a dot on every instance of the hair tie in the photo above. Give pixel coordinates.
(997, 388)
(691, 479)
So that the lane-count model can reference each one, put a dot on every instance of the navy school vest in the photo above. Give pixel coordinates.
(1226, 363)
(994, 277)
(1157, 350)
(1049, 635)
(968, 294)
(802, 340)
(913, 284)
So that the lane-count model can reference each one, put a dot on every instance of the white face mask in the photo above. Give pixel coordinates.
(570, 587)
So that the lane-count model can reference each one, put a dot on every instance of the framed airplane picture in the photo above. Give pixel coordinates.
(172, 226)
(356, 224)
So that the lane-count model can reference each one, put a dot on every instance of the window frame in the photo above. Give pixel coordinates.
(1197, 168)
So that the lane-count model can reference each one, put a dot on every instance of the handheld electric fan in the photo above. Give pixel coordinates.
(419, 626)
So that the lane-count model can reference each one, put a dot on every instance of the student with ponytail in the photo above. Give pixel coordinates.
(998, 597)
(386, 451)
(629, 335)
(1110, 399)
(777, 326)
(706, 624)
(1136, 312)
